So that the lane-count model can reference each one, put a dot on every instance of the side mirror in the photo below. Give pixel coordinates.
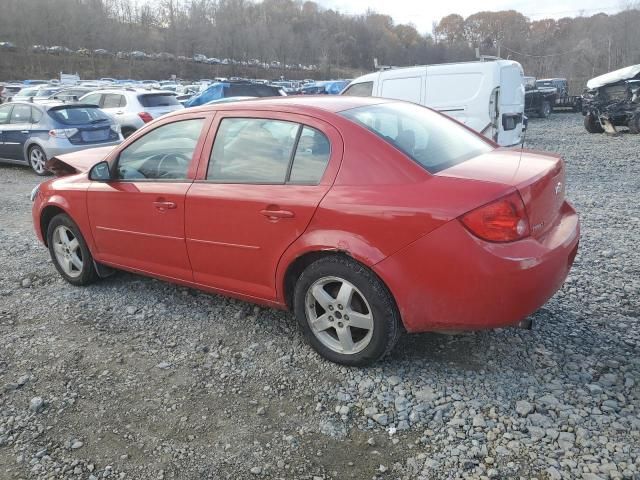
(100, 172)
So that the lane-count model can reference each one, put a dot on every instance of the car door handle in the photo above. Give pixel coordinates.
(277, 214)
(163, 205)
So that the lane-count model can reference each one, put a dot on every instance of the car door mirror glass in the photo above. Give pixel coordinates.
(100, 172)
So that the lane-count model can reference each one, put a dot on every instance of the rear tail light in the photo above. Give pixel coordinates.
(63, 132)
(504, 220)
(146, 117)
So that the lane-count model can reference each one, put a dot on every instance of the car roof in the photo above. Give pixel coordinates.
(297, 103)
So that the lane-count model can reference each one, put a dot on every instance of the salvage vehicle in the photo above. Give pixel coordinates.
(613, 100)
(486, 95)
(537, 99)
(563, 99)
(364, 216)
(31, 133)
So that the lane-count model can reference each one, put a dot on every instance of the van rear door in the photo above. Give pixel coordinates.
(510, 105)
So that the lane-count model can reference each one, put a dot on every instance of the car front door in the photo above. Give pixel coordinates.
(137, 218)
(16, 132)
(255, 196)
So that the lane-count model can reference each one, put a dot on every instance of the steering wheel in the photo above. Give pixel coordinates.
(179, 160)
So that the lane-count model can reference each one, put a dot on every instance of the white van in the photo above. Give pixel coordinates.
(485, 95)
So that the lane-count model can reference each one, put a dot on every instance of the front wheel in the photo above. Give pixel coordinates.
(634, 123)
(345, 311)
(37, 160)
(69, 251)
(592, 124)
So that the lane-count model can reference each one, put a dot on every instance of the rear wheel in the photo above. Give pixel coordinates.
(634, 123)
(545, 109)
(127, 131)
(69, 251)
(345, 311)
(37, 160)
(592, 124)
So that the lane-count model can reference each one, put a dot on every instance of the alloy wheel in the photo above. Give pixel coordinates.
(339, 315)
(67, 250)
(37, 160)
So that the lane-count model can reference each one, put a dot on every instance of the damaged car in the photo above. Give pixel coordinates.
(613, 100)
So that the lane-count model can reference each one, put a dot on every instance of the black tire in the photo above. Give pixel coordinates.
(386, 318)
(634, 123)
(87, 274)
(545, 109)
(592, 124)
(127, 131)
(36, 158)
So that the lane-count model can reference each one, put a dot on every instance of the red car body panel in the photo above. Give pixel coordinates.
(372, 203)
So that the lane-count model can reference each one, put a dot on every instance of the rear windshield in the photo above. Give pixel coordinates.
(430, 139)
(151, 100)
(239, 90)
(364, 89)
(78, 115)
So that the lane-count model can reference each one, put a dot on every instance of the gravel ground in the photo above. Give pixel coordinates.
(138, 379)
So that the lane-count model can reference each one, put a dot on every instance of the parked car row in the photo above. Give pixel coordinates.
(166, 56)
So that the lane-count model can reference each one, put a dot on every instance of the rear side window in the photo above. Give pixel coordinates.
(364, 89)
(93, 99)
(252, 150)
(311, 158)
(78, 115)
(430, 139)
(113, 101)
(158, 100)
(21, 114)
(36, 115)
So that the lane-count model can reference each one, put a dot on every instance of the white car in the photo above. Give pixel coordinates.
(133, 107)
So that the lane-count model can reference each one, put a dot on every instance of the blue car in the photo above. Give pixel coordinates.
(329, 87)
(219, 90)
(32, 134)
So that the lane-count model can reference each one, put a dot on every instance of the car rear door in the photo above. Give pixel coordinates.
(137, 218)
(16, 132)
(266, 175)
(5, 113)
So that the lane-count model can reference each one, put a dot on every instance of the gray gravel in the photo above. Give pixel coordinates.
(133, 378)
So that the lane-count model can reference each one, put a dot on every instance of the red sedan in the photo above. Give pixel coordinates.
(364, 216)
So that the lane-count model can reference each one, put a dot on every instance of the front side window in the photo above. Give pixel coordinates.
(21, 114)
(162, 154)
(364, 89)
(252, 150)
(428, 138)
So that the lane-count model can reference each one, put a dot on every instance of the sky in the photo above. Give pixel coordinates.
(422, 13)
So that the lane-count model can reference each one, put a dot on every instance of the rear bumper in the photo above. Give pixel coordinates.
(451, 280)
(60, 147)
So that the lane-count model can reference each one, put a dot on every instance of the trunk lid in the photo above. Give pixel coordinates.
(539, 177)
